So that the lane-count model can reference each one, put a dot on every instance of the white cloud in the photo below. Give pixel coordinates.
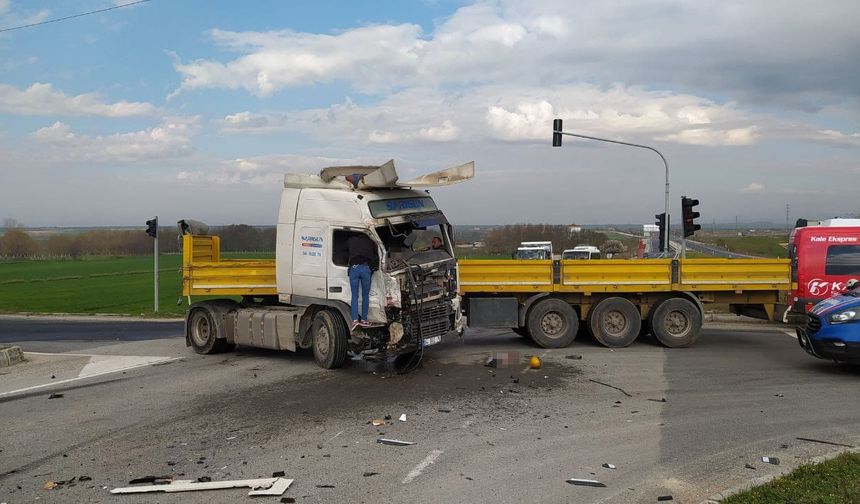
(753, 187)
(266, 172)
(708, 137)
(42, 99)
(4, 6)
(170, 140)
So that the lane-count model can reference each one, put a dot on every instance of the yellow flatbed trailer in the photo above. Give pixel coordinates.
(546, 300)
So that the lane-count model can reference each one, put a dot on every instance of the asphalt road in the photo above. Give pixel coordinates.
(482, 435)
(53, 334)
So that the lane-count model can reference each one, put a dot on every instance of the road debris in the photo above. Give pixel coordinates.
(278, 474)
(779, 395)
(288, 500)
(609, 466)
(204, 479)
(56, 396)
(750, 466)
(402, 417)
(534, 362)
(662, 399)
(394, 442)
(261, 486)
(612, 386)
(586, 482)
(377, 422)
(491, 362)
(368, 474)
(444, 410)
(832, 443)
(573, 357)
(324, 486)
(153, 480)
(665, 498)
(770, 460)
(50, 485)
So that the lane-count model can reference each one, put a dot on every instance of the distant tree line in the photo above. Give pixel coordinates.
(17, 243)
(506, 239)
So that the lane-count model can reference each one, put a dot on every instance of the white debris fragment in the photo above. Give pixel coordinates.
(402, 417)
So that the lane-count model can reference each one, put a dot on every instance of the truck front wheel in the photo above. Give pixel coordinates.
(676, 323)
(330, 336)
(203, 328)
(552, 323)
(615, 322)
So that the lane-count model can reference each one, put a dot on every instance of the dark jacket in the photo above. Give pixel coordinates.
(362, 250)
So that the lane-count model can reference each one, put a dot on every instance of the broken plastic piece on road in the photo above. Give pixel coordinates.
(324, 486)
(368, 474)
(402, 417)
(609, 466)
(261, 486)
(665, 498)
(662, 399)
(204, 479)
(377, 422)
(394, 442)
(586, 482)
(749, 466)
(770, 460)
(154, 480)
(491, 362)
(278, 474)
(573, 357)
(444, 410)
(288, 500)
(56, 396)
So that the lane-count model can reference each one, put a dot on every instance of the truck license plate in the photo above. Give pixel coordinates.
(432, 341)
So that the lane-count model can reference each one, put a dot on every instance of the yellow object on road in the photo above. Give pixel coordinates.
(534, 362)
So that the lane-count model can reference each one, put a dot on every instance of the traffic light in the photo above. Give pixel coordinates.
(661, 223)
(152, 227)
(556, 132)
(690, 226)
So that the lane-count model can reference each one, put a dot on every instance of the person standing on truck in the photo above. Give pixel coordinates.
(362, 256)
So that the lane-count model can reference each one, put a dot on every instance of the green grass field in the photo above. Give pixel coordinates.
(116, 285)
(764, 246)
(836, 481)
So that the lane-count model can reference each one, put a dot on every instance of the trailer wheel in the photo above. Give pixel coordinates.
(676, 323)
(329, 334)
(203, 329)
(552, 323)
(615, 322)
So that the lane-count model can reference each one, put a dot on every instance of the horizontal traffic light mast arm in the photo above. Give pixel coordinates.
(665, 163)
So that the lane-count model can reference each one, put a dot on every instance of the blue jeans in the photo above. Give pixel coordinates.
(359, 276)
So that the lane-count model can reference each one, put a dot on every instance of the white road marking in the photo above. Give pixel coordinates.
(791, 333)
(100, 367)
(417, 470)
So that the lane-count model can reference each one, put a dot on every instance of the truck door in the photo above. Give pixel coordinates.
(310, 245)
(338, 274)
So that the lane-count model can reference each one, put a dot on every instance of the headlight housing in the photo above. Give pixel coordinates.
(845, 316)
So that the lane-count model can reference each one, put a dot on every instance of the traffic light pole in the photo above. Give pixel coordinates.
(155, 269)
(665, 164)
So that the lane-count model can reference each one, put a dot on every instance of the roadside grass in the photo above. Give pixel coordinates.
(764, 246)
(112, 285)
(836, 481)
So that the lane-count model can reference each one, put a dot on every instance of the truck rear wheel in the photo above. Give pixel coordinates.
(330, 335)
(676, 322)
(615, 322)
(203, 329)
(552, 323)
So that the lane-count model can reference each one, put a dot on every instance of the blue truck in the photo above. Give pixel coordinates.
(832, 330)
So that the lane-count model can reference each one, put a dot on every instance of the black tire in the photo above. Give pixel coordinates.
(552, 323)
(329, 334)
(615, 322)
(676, 322)
(204, 327)
(522, 331)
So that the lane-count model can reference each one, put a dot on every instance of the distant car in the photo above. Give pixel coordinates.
(532, 253)
(833, 329)
(581, 252)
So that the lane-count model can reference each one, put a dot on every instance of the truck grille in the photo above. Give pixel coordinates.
(432, 319)
(813, 324)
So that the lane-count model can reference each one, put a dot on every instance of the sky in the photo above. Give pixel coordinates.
(197, 108)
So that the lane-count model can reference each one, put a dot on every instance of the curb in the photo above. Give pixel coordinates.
(717, 498)
(11, 355)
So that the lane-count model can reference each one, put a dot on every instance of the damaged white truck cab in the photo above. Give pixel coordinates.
(414, 299)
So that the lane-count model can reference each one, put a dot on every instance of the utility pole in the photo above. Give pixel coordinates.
(787, 221)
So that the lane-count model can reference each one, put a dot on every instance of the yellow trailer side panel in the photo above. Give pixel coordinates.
(614, 275)
(204, 273)
(504, 275)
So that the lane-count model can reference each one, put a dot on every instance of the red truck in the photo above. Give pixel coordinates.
(823, 258)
